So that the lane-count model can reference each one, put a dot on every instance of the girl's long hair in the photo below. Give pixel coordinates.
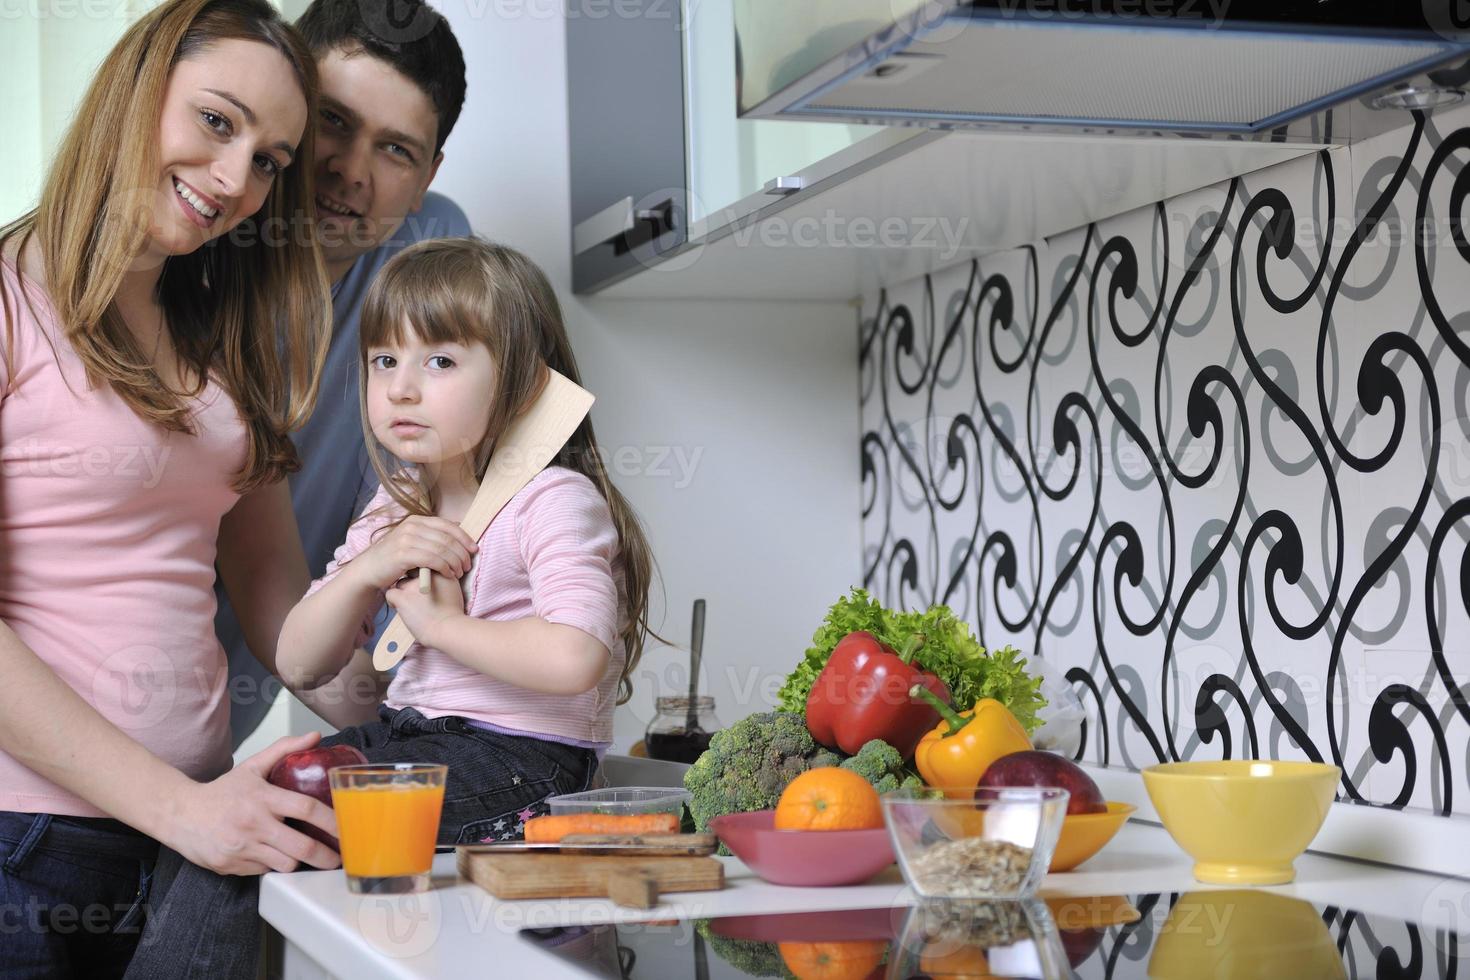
(468, 291)
(251, 308)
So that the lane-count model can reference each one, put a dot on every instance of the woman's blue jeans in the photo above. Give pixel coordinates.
(73, 895)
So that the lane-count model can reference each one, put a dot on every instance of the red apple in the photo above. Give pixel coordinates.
(1082, 923)
(1036, 767)
(1079, 944)
(306, 772)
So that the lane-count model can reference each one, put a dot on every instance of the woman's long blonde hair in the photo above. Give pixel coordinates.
(251, 312)
(468, 291)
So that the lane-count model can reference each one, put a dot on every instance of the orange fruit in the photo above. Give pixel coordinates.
(852, 960)
(829, 798)
(946, 959)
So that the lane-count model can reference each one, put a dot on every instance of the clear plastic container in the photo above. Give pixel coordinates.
(623, 800)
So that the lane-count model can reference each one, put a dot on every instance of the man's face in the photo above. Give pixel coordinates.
(375, 154)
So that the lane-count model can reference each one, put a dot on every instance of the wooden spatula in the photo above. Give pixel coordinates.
(528, 444)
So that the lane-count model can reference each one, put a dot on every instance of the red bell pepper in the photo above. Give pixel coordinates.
(863, 694)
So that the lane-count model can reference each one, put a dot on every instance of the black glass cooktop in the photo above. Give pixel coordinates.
(1200, 934)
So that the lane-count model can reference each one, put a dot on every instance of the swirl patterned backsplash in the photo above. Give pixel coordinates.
(1211, 459)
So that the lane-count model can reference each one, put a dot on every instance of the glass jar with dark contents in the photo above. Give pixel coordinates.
(681, 730)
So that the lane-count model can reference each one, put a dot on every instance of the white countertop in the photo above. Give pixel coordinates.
(457, 927)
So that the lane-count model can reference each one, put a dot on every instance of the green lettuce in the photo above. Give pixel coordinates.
(950, 651)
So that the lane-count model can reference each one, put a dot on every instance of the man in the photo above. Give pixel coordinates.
(392, 84)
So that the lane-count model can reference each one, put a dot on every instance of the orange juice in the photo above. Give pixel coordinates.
(387, 830)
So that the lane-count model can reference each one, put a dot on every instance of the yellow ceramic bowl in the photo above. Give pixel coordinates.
(1240, 934)
(1243, 821)
(1084, 834)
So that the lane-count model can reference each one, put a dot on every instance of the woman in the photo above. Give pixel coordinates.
(145, 404)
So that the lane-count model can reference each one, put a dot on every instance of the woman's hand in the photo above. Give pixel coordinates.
(417, 542)
(234, 825)
(421, 613)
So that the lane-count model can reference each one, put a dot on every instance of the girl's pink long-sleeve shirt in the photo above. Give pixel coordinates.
(552, 553)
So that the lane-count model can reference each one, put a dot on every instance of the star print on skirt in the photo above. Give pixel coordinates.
(512, 826)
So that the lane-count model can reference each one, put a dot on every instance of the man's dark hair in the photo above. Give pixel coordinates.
(408, 34)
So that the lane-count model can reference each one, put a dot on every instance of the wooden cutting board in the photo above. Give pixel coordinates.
(585, 876)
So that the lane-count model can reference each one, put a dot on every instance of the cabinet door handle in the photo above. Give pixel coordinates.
(617, 221)
(785, 185)
(604, 226)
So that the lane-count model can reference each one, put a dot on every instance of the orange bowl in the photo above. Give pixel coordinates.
(1084, 834)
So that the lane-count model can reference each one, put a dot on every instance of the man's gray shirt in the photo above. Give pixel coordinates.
(335, 480)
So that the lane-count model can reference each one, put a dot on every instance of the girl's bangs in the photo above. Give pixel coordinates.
(434, 314)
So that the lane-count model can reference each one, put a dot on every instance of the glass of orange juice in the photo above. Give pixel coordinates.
(388, 821)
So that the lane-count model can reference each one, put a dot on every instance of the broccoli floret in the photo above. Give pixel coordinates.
(880, 764)
(749, 764)
(754, 958)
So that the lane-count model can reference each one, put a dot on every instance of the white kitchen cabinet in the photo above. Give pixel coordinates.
(675, 196)
(733, 160)
(659, 157)
(909, 201)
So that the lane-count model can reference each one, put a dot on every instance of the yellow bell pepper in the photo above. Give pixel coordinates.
(963, 745)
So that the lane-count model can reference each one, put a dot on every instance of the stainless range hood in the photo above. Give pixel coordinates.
(1229, 68)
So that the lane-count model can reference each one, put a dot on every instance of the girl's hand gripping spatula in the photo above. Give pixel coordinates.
(528, 444)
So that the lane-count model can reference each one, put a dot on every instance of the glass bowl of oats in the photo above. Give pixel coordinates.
(979, 844)
(951, 938)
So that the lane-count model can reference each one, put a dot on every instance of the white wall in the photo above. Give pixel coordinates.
(756, 510)
(759, 397)
(46, 64)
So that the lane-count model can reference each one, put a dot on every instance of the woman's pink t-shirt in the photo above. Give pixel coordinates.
(108, 527)
(553, 553)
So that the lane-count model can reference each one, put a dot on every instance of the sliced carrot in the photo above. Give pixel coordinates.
(551, 829)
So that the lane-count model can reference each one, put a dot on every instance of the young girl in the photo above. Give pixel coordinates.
(526, 641)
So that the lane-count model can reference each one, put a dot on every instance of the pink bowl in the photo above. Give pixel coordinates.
(806, 858)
